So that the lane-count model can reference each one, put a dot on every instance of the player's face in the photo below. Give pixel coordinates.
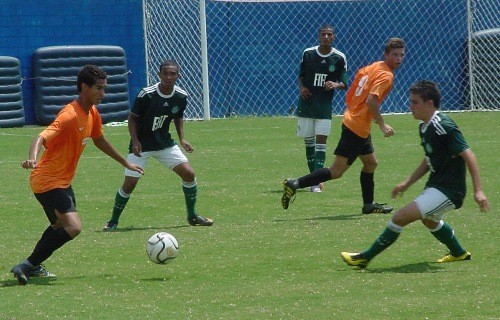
(168, 76)
(96, 93)
(421, 110)
(326, 37)
(394, 58)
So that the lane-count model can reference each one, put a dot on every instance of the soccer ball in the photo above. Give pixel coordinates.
(162, 248)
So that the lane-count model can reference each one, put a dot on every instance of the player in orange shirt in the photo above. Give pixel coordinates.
(370, 87)
(64, 141)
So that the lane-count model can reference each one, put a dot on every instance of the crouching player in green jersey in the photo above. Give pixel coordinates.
(446, 157)
(155, 107)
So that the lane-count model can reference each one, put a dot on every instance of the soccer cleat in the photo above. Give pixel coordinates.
(21, 272)
(200, 221)
(110, 226)
(40, 271)
(376, 208)
(450, 258)
(354, 259)
(289, 193)
(316, 189)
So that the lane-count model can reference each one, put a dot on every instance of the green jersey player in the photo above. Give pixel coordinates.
(155, 107)
(322, 70)
(446, 157)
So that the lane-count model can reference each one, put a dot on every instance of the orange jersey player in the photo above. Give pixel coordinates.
(370, 87)
(64, 141)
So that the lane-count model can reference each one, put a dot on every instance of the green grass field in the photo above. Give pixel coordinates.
(257, 261)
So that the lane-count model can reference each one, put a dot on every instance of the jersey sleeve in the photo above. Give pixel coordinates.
(342, 66)
(382, 84)
(97, 125)
(455, 138)
(183, 107)
(301, 65)
(139, 103)
(60, 124)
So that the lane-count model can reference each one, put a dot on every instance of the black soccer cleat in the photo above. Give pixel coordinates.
(21, 272)
(200, 221)
(376, 208)
(289, 191)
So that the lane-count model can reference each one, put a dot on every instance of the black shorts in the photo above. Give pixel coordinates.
(62, 200)
(352, 146)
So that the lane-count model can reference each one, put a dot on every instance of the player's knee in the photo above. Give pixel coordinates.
(370, 166)
(129, 185)
(336, 172)
(73, 230)
(189, 176)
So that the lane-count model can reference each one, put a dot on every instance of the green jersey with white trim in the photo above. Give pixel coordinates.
(155, 111)
(443, 142)
(315, 70)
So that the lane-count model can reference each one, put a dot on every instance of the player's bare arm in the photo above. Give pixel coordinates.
(105, 146)
(479, 196)
(132, 129)
(179, 127)
(400, 188)
(35, 147)
(374, 106)
(303, 91)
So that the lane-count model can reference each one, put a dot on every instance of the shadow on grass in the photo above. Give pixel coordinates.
(306, 190)
(132, 228)
(156, 279)
(42, 281)
(420, 267)
(331, 218)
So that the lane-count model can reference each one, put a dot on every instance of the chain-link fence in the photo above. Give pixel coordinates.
(253, 49)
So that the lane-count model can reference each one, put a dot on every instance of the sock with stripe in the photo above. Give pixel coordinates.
(310, 152)
(384, 240)
(190, 193)
(446, 235)
(319, 156)
(121, 200)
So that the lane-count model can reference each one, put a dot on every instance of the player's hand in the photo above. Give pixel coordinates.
(135, 168)
(331, 85)
(28, 164)
(482, 201)
(399, 190)
(387, 130)
(187, 146)
(137, 148)
(305, 93)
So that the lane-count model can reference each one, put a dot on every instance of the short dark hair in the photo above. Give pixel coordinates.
(394, 43)
(326, 26)
(89, 75)
(427, 90)
(169, 63)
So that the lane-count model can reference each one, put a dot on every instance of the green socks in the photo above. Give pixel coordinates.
(315, 154)
(190, 192)
(445, 234)
(310, 153)
(319, 156)
(388, 237)
(121, 200)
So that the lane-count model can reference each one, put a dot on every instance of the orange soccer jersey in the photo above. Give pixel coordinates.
(65, 140)
(376, 79)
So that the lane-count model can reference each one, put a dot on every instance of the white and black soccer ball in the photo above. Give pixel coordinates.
(162, 248)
